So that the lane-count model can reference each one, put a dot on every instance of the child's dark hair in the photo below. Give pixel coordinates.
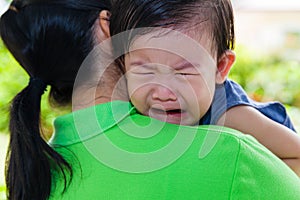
(50, 40)
(178, 14)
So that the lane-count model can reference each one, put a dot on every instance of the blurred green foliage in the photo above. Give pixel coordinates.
(268, 78)
(2, 192)
(12, 80)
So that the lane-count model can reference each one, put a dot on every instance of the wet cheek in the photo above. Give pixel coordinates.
(138, 97)
(134, 85)
(202, 96)
(204, 87)
(205, 103)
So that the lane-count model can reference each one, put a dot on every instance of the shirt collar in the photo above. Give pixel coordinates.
(86, 123)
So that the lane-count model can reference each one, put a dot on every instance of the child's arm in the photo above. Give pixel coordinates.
(279, 139)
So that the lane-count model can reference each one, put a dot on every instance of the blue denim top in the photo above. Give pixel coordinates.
(231, 94)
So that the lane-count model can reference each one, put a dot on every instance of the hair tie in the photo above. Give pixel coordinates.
(12, 7)
(38, 84)
(16, 5)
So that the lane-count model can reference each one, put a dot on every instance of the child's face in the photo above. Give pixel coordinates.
(170, 77)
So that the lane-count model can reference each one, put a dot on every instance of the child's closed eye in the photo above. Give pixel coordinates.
(142, 72)
(185, 74)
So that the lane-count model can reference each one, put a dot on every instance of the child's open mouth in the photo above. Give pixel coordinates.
(177, 113)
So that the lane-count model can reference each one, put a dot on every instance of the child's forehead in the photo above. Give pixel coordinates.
(182, 43)
(162, 44)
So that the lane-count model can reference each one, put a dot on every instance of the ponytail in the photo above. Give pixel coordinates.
(30, 158)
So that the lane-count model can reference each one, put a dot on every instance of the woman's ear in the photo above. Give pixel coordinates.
(225, 63)
(102, 26)
(104, 22)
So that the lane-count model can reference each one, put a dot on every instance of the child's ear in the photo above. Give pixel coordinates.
(103, 25)
(225, 63)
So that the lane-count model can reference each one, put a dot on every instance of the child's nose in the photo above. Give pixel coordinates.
(163, 93)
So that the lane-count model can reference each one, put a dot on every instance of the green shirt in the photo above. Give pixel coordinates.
(117, 153)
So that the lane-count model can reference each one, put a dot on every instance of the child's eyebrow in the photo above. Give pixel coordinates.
(146, 65)
(184, 65)
(136, 63)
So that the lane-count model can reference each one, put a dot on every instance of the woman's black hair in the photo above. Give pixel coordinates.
(176, 14)
(50, 39)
